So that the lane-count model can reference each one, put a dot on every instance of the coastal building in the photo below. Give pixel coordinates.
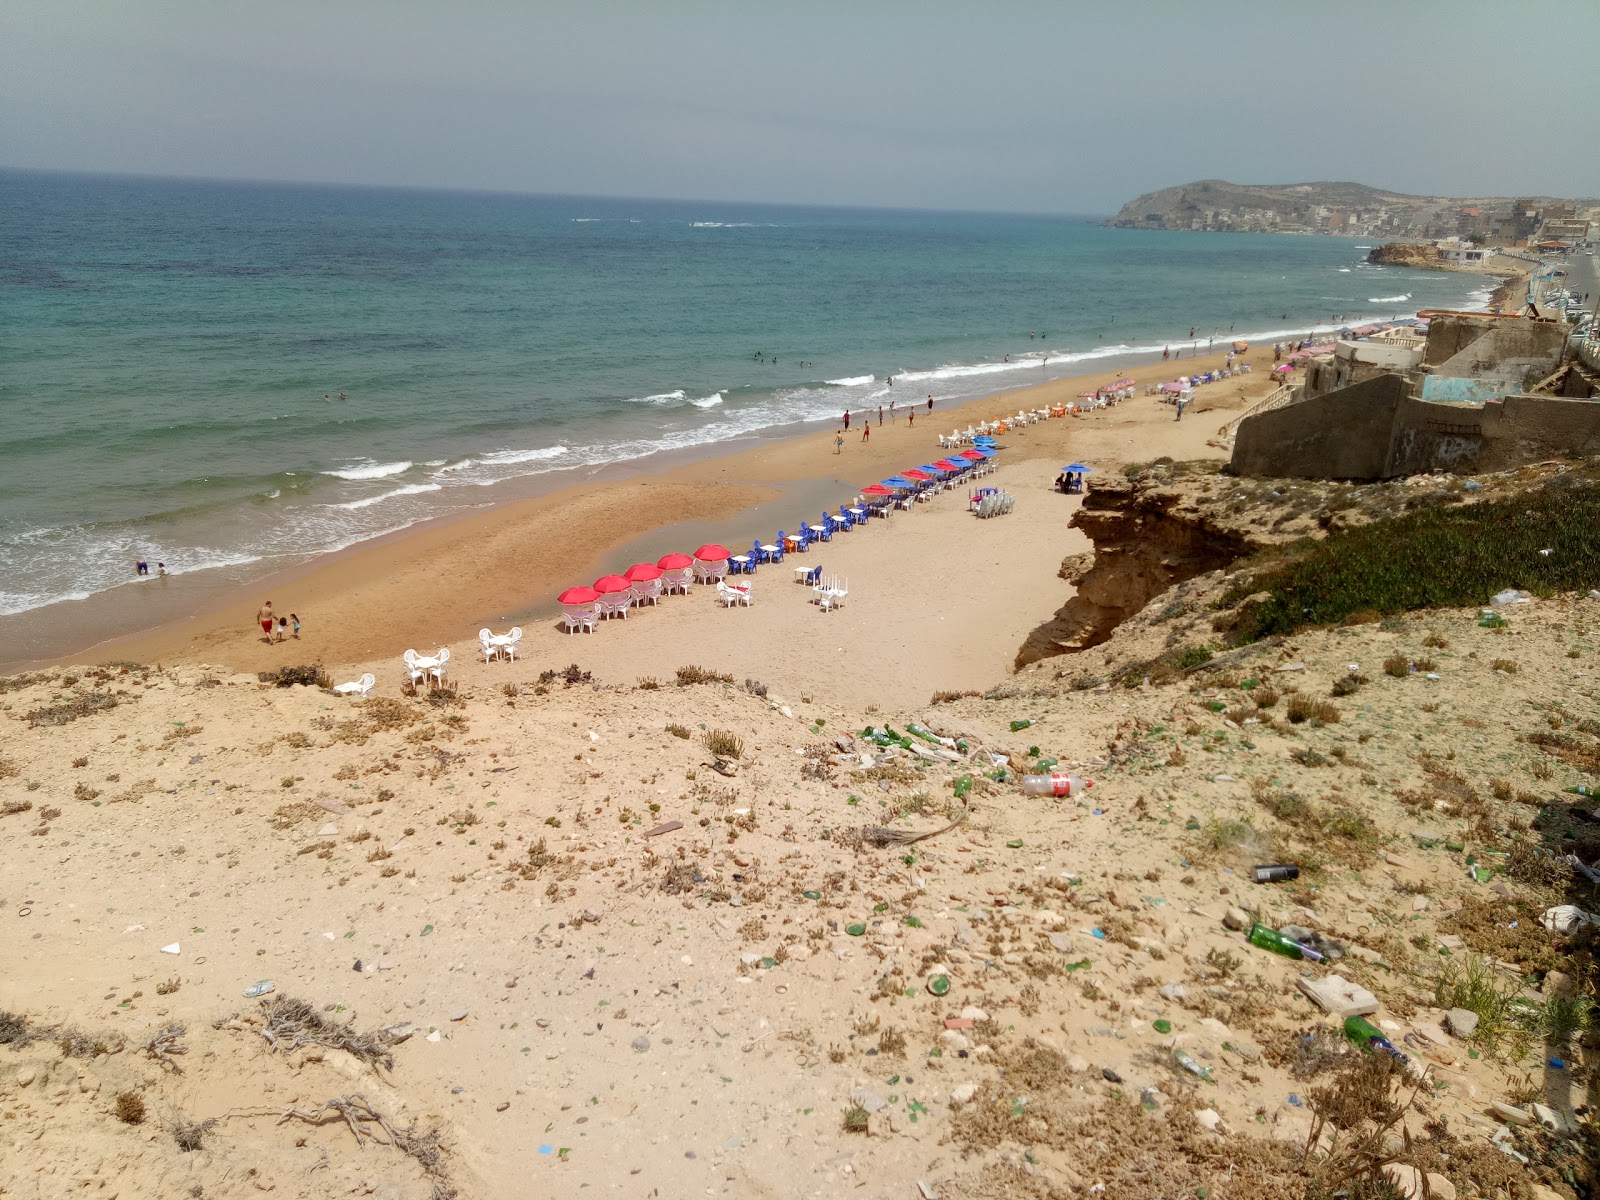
(1484, 392)
(1462, 252)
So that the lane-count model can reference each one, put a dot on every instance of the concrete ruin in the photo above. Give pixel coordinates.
(1483, 394)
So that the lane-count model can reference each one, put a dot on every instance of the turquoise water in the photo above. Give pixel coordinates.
(166, 346)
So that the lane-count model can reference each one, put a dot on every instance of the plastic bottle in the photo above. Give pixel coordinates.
(1271, 939)
(1583, 790)
(1369, 1037)
(1054, 784)
(1185, 1061)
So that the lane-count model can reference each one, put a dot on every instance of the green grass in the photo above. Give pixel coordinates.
(1445, 557)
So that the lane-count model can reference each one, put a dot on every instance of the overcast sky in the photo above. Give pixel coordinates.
(1052, 106)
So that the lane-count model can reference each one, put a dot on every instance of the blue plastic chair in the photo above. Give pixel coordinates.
(782, 538)
(827, 530)
(814, 576)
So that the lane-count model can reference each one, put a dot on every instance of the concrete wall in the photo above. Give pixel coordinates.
(1342, 435)
(1509, 351)
(1501, 434)
(1374, 430)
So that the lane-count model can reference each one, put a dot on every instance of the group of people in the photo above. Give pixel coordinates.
(275, 628)
(866, 423)
(1069, 482)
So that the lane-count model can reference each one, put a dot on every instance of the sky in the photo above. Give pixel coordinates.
(1057, 106)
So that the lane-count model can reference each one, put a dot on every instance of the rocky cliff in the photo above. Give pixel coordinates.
(1407, 254)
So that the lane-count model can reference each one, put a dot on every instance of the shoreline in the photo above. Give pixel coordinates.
(442, 579)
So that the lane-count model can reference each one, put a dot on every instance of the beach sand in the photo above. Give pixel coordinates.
(438, 585)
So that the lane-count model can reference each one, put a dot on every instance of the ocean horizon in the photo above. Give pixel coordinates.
(239, 377)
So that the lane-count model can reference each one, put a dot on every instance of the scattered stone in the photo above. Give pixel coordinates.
(172, 949)
(1210, 1119)
(1461, 1022)
(26, 1076)
(1550, 1118)
(664, 827)
(955, 1041)
(1419, 904)
(973, 1013)
(963, 1092)
(1559, 983)
(1249, 1051)
(1237, 918)
(1062, 942)
(1109, 1075)
(459, 1015)
(502, 1106)
(1511, 1113)
(1338, 997)
(641, 1043)
(1173, 992)
(1077, 1064)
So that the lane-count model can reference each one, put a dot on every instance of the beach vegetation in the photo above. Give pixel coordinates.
(570, 676)
(679, 731)
(129, 1108)
(690, 675)
(64, 712)
(723, 743)
(304, 675)
(1431, 558)
(1303, 708)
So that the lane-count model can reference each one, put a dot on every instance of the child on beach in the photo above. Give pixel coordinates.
(838, 442)
(283, 627)
(866, 429)
(294, 620)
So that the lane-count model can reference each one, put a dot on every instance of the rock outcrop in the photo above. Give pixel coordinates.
(1147, 537)
(1407, 254)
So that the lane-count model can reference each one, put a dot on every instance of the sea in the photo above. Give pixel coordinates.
(234, 377)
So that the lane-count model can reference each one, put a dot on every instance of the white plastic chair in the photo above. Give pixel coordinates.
(410, 658)
(509, 646)
(616, 604)
(646, 591)
(677, 580)
(579, 616)
(437, 670)
(733, 595)
(357, 688)
(490, 650)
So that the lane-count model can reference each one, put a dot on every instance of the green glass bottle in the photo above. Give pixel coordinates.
(1271, 939)
(1369, 1037)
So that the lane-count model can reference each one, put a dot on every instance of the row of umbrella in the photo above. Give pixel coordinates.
(642, 572)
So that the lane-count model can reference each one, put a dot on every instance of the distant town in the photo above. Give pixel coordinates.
(1356, 210)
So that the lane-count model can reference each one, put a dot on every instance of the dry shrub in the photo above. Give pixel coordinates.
(129, 1108)
(1304, 708)
(952, 697)
(305, 675)
(690, 675)
(679, 731)
(1508, 665)
(81, 705)
(723, 743)
(1264, 696)
(288, 1023)
(570, 676)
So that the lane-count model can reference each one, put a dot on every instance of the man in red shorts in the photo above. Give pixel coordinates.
(267, 619)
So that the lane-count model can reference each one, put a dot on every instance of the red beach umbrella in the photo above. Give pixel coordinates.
(916, 474)
(970, 456)
(946, 465)
(642, 572)
(612, 583)
(578, 595)
(711, 552)
(674, 562)
(876, 489)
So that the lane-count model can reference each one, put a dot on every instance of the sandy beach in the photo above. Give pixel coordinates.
(438, 585)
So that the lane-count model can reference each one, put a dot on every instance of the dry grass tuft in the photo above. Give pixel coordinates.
(687, 676)
(288, 1023)
(723, 743)
(1303, 708)
(129, 1108)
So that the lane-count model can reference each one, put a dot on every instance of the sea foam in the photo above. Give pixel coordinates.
(410, 489)
(370, 470)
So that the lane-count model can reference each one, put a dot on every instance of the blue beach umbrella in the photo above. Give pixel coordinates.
(986, 451)
(933, 470)
(896, 482)
(1076, 467)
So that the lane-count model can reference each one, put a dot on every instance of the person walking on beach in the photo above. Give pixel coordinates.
(911, 417)
(1166, 353)
(1179, 417)
(265, 617)
(880, 414)
(294, 623)
(283, 627)
(866, 430)
(930, 403)
(847, 420)
(838, 442)
(891, 404)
